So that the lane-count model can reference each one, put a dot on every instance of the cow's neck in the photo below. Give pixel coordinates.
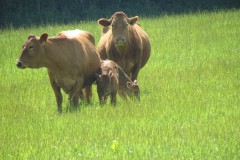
(123, 78)
(51, 60)
(122, 50)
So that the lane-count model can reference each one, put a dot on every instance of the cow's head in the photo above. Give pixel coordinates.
(119, 23)
(133, 89)
(32, 52)
(104, 82)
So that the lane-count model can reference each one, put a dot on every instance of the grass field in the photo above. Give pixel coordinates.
(189, 105)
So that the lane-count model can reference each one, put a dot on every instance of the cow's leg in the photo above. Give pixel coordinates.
(57, 92)
(73, 100)
(88, 91)
(136, 68)
(74, 94)
(135, 72)
(81, 95)
(58, 96)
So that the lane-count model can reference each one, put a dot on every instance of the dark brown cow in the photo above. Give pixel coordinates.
(107, 82)
(124, 42)
(71, 60)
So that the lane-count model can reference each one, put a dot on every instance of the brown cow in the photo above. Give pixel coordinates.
(71, 60)
(107, 82)
(86, 92)
(124, 42)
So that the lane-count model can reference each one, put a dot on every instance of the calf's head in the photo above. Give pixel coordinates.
(133, 89)
(119, 23)
(104, 82)
(32, 52)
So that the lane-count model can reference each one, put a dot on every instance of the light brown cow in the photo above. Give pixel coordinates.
(86, 92)
(124, 42)
(107, 82)
(70, 58)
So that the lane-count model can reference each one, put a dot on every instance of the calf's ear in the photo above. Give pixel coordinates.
(43, 37)
(129, 84)
(133, 20)
(104, 22)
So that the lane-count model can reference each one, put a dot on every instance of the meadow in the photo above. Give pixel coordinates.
(189, 106)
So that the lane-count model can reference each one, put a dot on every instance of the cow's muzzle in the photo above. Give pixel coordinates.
(20, 65)
(120, 41)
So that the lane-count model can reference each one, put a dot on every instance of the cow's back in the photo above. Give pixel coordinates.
(78, 33)
(79, 54)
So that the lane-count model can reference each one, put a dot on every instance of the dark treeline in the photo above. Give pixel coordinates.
(33, 12)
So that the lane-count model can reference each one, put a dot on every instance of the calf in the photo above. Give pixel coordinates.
(107, 82)
(127, 87)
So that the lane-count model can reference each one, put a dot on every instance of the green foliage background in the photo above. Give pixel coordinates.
(28, 12)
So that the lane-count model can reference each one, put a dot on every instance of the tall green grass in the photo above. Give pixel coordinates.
(189, 105)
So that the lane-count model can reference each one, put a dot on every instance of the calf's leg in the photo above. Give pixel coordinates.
(113, 98)
(102, 100)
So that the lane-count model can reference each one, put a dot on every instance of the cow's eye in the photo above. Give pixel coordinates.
(126, 24)
(112, 25)
(30, 47)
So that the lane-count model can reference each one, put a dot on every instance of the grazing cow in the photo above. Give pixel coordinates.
(124, 42)
(70, 58)
(107, 82)
(127, 87)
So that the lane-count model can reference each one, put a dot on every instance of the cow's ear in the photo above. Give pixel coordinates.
(133, 20)
(43, 37)
(31, 37)
(104, 22)
(129, 84)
